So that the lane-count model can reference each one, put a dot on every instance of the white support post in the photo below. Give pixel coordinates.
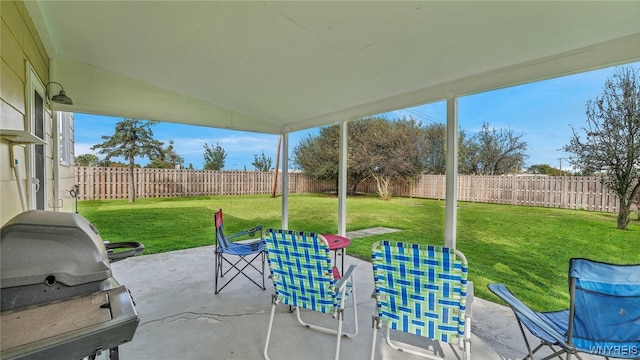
(452, 173)
(285, 181)
(342, 181)
(55, 169)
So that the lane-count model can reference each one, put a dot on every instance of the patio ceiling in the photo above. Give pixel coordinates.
(276, 67)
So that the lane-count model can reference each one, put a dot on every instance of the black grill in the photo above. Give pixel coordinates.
(59, 299)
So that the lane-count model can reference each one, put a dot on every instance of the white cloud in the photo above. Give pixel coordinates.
(84, 148)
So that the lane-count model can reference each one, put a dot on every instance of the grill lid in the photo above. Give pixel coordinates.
(45, 246)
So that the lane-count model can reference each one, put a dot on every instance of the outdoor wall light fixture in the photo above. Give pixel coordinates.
(62, 97)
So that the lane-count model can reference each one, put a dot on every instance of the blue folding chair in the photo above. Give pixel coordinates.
(304, 277)
(239, 256)
(421, 290)
(603, 316)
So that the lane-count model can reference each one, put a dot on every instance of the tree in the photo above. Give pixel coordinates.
(611, 143)
(383, 149)
(499, 151)
(433, 149)
(117, 164)
(168, 159)
(87, 160)
(318, 155)
(388, 151)
(262, 162)
(394, 154)
(132, 138)
(214, 157)
(357, 140)
(467, 154)
(546, 169)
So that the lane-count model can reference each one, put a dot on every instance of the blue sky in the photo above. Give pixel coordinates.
(543, 111)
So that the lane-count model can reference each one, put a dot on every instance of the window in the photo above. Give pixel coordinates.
(36, 154)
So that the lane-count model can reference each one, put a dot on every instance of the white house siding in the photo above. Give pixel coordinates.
(21, 50)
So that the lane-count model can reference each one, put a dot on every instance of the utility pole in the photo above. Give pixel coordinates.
(561, 171)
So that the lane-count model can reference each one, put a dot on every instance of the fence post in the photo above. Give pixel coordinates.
(221, 182)
(514, 189)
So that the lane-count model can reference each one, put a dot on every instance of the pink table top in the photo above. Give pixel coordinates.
(336, 241)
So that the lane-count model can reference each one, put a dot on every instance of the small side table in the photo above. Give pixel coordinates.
(337, 243)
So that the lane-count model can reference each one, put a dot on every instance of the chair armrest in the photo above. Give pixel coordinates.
(519, 307)
(347, 276)
(251, 231)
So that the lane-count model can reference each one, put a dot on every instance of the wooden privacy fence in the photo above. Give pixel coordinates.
(568, 192)
(103, 183)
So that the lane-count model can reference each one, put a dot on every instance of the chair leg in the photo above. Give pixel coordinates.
(466, 341)
(555, 353)
(341, 317)
(376, 325)
(274, 302)
(464, 344)
(404, 347)
(217, 270)
(526, 342)
(339, 333)
(340, 314)
(249, 263)
(262, 272)
(329, 330)
(467, 350)
(240, 270)
(312, 326)
(355, 310)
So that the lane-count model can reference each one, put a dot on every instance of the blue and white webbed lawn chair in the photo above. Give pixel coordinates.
(422, 290)
(603, 316)
(304, 277)
(239, 256)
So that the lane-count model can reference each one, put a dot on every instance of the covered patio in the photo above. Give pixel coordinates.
(280, 67)
(182, 318)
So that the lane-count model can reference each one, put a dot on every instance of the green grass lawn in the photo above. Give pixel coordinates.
(526, 248)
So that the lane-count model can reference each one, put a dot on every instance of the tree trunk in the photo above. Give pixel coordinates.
(275, 171)
(382, 184)
(132, 182)
(623, 214)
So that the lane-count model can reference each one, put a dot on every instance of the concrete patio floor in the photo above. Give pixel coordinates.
(182, 318)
